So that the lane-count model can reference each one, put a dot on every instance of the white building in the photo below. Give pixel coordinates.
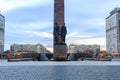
(2, 31)
(38, 48)
(81, 48)
(113, 31)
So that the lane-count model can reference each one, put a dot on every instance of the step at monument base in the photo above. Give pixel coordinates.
(60, 52)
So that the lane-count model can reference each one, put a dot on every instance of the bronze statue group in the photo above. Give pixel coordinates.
(59, 33)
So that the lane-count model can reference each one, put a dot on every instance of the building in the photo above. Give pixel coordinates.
(113, 31)
(81, 48)
(2, 32)
(37, 48)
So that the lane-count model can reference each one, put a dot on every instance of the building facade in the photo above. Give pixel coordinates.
(37, 48)
(81, 48)
(113, 31)
(2, 32)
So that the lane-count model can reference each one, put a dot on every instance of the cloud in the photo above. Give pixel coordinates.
(88, 17)
(77, 35)
(27, 26)
(50, 49)
(11, 4)
(32, 20)
(73, 34)
(33, 32)
(100, 22)
(40, 34)
(89, 41)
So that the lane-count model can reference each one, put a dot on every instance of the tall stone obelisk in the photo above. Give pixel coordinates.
(60, 31)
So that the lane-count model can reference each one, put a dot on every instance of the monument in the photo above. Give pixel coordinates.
(60, 31)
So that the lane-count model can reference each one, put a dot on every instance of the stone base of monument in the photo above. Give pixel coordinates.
(60, 52)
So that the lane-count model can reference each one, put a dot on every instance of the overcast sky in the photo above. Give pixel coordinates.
(31, 21)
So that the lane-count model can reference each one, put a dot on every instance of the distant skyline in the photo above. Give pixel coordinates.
(31, 21)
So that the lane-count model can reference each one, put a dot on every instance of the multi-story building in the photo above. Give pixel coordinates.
(37, 48)
(113, 31)
(81, 48)
(2, 31)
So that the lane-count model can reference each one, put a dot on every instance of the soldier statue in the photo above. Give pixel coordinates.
(63, 32)
(56, 33)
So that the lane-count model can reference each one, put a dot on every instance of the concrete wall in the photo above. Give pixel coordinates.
(112, 33)
(2, 30)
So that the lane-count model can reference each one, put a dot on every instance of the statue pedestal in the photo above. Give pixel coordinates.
(60, 51)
